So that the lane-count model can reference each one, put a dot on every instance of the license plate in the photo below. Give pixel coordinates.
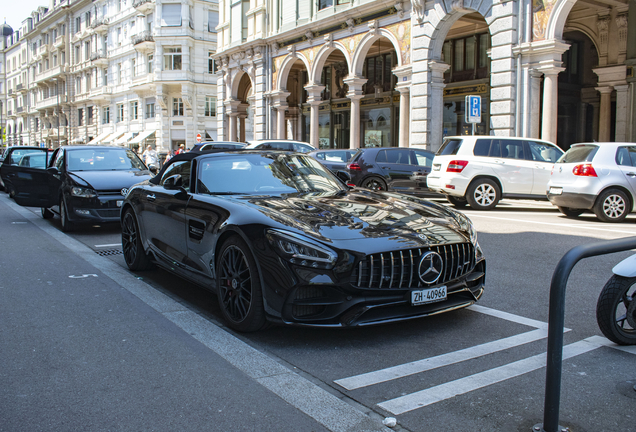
(119, 203)
(430, 295)
(556, 190)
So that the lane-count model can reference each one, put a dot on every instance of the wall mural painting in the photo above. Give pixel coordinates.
(542, 9)
(277, 62)
(402, 32)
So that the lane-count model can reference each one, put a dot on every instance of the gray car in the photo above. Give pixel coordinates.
(600, 177)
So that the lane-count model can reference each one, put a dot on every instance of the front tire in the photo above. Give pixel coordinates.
(239, 287)
(613, 205)
(616, 310)
(571, 212)
(134, 254)
(483, 194)
(67, 225)
(374, 183)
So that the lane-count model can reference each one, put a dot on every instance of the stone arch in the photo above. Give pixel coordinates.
(321, 58)
(558, 18)
(590, 33)
(365, 44)
(285, 68)
(236, 82)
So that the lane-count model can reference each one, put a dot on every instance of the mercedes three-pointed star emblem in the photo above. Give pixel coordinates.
(431, 266)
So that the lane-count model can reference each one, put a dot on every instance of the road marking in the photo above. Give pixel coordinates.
(577, 226)
(403, 370)
(82, 276)
(509, 317)
(470, 383)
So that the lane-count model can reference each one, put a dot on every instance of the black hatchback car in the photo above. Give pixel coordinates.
(279, 238)
(83, 184)
(395, 169)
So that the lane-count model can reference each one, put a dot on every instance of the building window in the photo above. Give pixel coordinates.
(120, 113)
(106, 115)
(212, 65)
(54, 60)
(89, 115)
(468, 57)
(151, 59)
(134, 110)
(119, 74)
(172, 59)
(133, 67)
(78, 85)
(87, 50)
(210, 106)
(150, 109)
(213, 21)
(378, 71)
(105, 75)
(77, 54)
(171, 14)
(78, 24)
(118, 36)
(80, 116)
(177, 107)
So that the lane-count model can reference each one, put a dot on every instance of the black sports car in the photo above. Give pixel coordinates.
(281, 239)
(83, 184)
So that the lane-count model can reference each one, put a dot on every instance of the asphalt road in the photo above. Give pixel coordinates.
(479, 369)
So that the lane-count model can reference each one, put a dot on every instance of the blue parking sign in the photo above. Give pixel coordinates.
(473, 109)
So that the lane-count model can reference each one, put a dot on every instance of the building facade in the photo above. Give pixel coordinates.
(352, 73)
(122, 72)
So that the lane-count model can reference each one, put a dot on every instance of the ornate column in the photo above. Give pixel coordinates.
(355, 94)
(535, 104)
(314, 98)
(605, 115)
(279, 102)
(232, 111)
(403, 75)
(242, 115)
(437, 102)
(550, 103)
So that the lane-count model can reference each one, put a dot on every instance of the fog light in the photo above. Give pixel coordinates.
(83, 212)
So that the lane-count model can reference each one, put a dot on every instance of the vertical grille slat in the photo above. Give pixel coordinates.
(380, 270)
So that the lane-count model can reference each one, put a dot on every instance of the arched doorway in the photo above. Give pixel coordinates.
(245, 109)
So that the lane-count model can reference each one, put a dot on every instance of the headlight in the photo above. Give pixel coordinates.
(466, 225)
(301, 252)
(83, 192)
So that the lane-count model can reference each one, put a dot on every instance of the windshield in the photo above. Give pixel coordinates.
(103, 160)
(264, 174)
(579, 153)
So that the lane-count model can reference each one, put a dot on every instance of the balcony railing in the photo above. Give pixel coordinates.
(100, 25)
(51, 73)
(145, 36)
(19, 109)
(51, 102)
(144, 6)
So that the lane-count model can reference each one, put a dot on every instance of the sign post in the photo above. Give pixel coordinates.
(198, 137)
(473, 110)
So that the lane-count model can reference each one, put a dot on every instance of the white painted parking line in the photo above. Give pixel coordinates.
(509, 317)
(600, 340)
(473, 382)
(403, 370)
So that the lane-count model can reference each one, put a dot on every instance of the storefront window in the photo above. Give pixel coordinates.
(454, 123)
(375, 125)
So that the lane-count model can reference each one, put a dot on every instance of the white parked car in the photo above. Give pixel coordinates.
(481, 170)
(595, 176)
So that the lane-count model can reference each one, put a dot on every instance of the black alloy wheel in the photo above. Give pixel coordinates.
(483, 194)
(616, 310)
(613, 205)
(374, 183)
(458, 202)
(239, 287)
(46, 213)
(67, 225)
(571, 212)
(134, 254)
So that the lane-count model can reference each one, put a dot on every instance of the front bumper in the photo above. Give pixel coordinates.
(100, 209)
(346, 305)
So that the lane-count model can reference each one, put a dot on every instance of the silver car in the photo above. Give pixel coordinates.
(595, 176)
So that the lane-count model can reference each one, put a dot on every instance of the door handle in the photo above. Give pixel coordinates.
(151, 197)
(631, 174)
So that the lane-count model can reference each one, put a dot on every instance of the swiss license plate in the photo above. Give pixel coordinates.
(556, 190)
(430, 295)
(119, 203)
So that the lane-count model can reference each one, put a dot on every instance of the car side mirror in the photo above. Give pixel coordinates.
(344, 176)
(174, 182)
(53, 170)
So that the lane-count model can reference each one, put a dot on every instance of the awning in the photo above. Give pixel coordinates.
(142, 136)
(210, 134)
(124, 138)
(113, 137)
(99, 138)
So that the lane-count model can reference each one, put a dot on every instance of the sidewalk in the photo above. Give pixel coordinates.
(86, 346)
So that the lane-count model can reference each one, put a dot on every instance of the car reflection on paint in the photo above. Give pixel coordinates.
(280, 239)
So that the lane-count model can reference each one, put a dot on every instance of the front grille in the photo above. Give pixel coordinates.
(400, 269)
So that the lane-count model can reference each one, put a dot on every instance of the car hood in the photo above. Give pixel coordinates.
(358, 215)
(109, 180)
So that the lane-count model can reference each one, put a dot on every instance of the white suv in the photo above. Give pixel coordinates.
(480, 170)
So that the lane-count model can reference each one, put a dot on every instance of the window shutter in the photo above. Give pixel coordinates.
(171, 14)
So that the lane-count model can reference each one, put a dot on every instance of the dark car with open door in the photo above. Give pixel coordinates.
(14, 158)
(82, 184)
